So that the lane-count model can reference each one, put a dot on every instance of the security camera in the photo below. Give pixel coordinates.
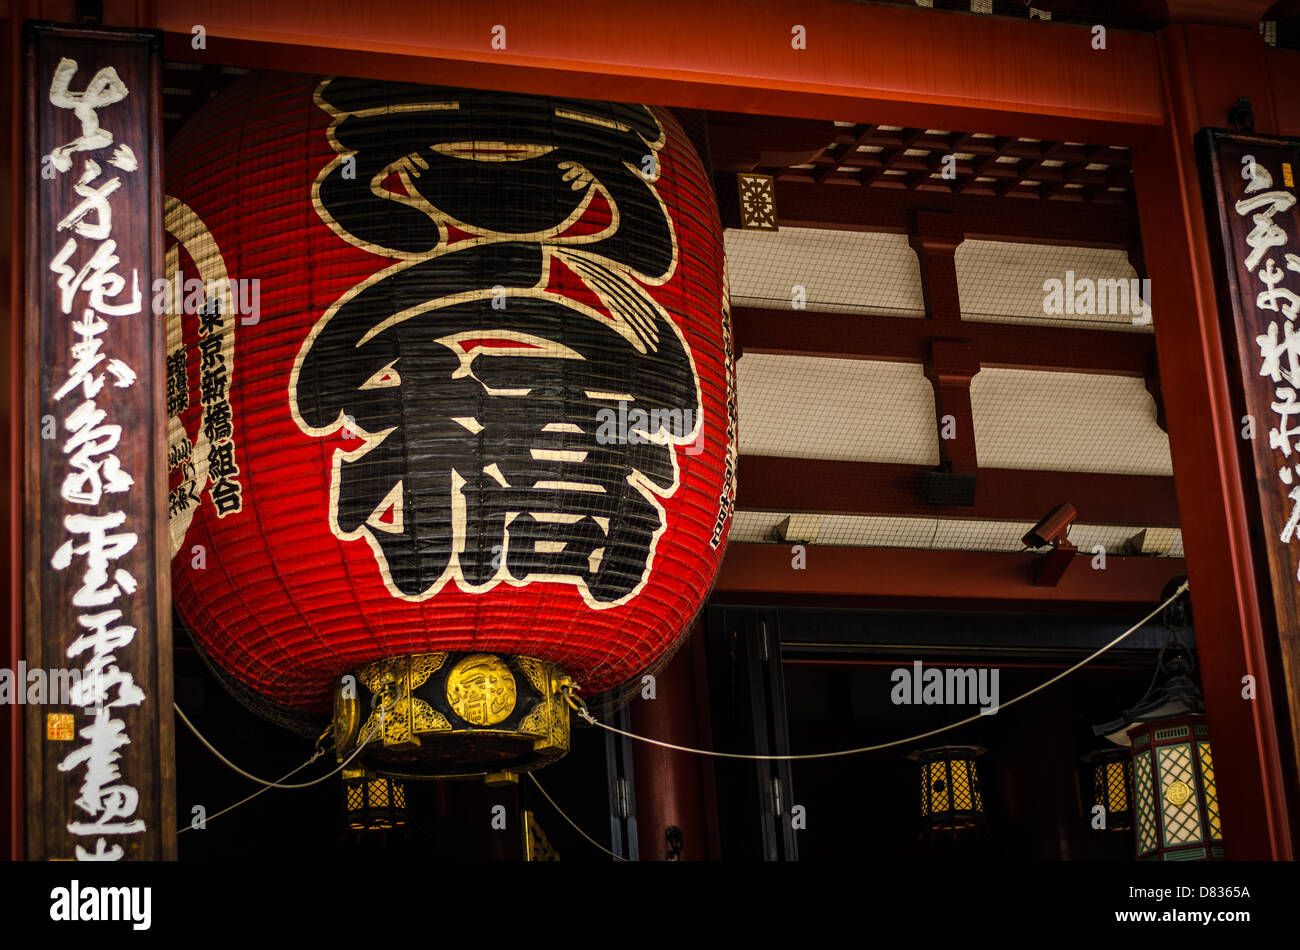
(1053, 529)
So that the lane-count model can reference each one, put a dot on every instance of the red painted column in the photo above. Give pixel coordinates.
(952, 363)
(935, 236)
(1205, 70)
(676, 788)
(950, 368)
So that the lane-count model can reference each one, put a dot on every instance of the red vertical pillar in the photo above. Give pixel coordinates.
(676, 788)
(1205, 70)
(953, 362)
(951, 366)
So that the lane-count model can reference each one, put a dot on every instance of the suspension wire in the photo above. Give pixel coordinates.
(266, 788)
(581, 708)
(571, 822)
(277, 784)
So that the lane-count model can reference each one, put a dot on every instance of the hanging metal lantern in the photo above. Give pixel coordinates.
(372, 803)
(1110, 782)
(1176, 803)
(456, 428)
(952, 801)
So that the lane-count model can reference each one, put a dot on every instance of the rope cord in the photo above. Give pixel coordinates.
(581, 708)
(316, 755)
(277, 784)
(572, 825)
(266, 786)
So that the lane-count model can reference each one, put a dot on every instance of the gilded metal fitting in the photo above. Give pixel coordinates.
(452, 715)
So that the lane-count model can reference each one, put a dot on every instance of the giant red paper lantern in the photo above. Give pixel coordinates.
(470, 433)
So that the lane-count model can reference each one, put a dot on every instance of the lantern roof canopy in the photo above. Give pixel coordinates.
(947, 751)
(1177, 697)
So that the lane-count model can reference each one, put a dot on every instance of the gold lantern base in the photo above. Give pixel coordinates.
(452, 715)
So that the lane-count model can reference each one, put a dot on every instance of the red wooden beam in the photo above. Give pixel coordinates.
(860, 63)
(907, 340)
(951, 367)
(770, 483)
(950, 364)
(765, 570)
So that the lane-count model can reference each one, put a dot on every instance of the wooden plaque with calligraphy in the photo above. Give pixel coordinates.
(1254, 225)
(99, 760)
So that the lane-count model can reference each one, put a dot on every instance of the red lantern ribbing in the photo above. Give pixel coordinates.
(452, 406)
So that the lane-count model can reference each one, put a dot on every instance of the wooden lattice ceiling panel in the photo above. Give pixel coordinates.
(915, 159)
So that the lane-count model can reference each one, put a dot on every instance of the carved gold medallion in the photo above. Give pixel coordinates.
(423, 707)
(481, 690)
(1177, 792)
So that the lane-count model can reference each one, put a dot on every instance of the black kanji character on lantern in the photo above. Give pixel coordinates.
(216, 422)
(210, 352)
(507, 419)
(178, 383)
(226, 496)
(210, 319)
(221, 461)
(497, 164)
(480, 394)
(180, 498)
(212, 384)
